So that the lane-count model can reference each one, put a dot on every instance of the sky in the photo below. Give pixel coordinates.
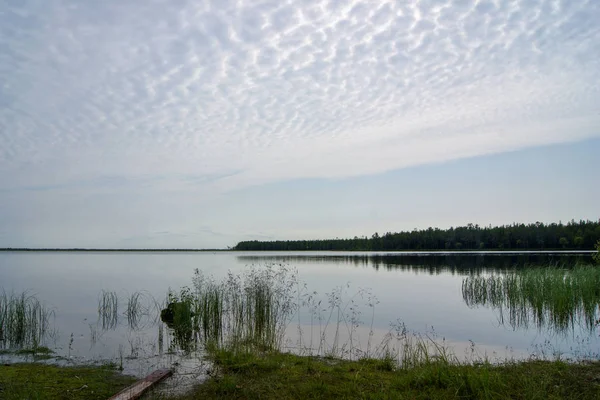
(197, 124)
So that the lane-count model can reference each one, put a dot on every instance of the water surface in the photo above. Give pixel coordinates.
(420, 290)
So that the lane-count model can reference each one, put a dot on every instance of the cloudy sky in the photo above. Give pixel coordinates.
(189, 123)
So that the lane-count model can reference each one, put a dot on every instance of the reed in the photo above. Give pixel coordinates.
(140, 310)
(556, 298)
(248, 311)
(108, 309)
(24, 321)
(252, 311)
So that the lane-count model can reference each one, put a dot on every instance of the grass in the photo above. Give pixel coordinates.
(38, 353)
(557, 298)
(252, 311)
(108, 309)
(241, 322)
(287, 376)
(242, 312)
(138, 307)
(41, 381)
(24, 321)
(134, 309)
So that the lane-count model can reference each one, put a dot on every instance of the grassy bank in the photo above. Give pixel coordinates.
(287, 376)
(40, 382)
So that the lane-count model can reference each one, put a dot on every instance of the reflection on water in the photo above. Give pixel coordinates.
(552, 298)
(105, 305)
(431, 262)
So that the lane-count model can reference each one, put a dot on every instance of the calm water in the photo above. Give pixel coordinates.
(421, 290)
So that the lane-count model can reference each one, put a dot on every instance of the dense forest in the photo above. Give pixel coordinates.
(574, 235)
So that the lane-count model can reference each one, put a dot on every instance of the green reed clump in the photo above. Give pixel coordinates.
(180, 315)
(242, 312)
(259, 306)
(24, 321)
(108, 309)
(210, 313)
(251, 311)
(554, 297)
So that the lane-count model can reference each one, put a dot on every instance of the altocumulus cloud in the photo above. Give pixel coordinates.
(254, 91)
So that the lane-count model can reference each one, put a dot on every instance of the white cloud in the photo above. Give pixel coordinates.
(133, 88)
(234, 93)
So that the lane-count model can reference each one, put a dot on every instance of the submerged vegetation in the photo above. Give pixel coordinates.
(24, 321)
(575, 235)
(556, 298)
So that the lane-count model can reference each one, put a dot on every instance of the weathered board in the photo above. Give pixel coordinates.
(136, 390)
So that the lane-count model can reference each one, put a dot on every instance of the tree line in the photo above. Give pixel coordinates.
(574, 235)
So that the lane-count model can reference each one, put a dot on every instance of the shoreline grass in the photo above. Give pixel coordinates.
(43, 381)
(287, 376)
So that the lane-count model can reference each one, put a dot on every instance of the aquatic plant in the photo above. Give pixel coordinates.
(557, 298)
(24, 321)
(252, 311)
(133, 311)
(108, 309)
(139, 308)
(179, 316)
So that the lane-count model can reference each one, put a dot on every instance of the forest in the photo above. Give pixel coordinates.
(581, 235)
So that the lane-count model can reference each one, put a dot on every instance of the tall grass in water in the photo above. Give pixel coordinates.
(139, 310)
(108, 309)
(242, 312)
(134, 309)
(253, 310)
(552, 297)
(180, 315)
(258, 306)
(24, 321)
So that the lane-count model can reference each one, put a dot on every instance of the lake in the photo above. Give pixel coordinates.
(421, 292)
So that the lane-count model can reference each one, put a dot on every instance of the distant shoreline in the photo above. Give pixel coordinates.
(106, 250)
(489, 252)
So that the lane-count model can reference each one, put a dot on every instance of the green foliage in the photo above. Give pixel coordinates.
(24, 321)
(180, 316)
(573, 235)
(287, 376)
(41, 382)
(553, 297)
(597, 255)
(244, 312)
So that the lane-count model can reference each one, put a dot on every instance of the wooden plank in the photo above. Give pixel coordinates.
(136, 390)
